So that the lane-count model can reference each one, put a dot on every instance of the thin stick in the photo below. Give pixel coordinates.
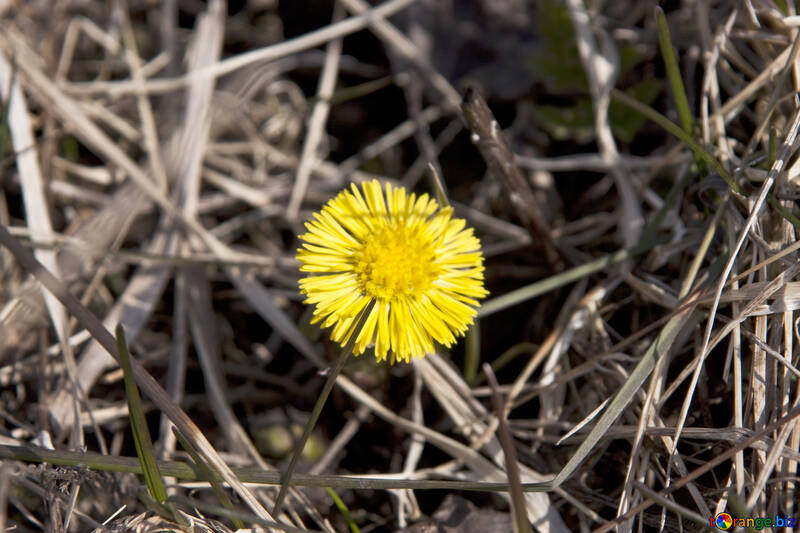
(520, 517)
(319, 117)
(260, 55)
(143, 378)
(776, 169)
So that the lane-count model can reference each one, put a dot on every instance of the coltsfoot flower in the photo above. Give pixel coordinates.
(422, 266)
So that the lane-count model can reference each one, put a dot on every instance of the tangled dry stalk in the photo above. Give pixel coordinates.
(160, 159)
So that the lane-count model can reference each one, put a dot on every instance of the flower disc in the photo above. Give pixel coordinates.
(422, 267)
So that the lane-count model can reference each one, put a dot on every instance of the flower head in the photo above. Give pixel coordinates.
(422, 267)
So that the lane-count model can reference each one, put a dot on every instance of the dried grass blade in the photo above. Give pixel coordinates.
(521, 522)
(405, 47)
(236, 515)
(496, 152)
(660, 346)
(319, 116)
(132, 309)
(216, 486)
(143, 378)
(706, 467)
(37, 216)
(777, 167)
(601, 64)
(207, 343)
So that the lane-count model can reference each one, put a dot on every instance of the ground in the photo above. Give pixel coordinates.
(630, 175)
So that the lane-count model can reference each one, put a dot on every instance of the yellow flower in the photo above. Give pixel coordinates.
(424, 269)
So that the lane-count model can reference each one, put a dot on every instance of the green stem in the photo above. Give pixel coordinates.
(698, 149)
(323, 396)
(192, 472)
(472, 352)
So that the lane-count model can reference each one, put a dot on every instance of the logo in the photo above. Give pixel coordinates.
(723, 521)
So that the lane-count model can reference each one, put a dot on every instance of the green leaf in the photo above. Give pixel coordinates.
(626, 124)
(557, 66)
(344, 510)
(673, 72)
(557, 63)
(567, 123)
(629, 57)
(141, 435)
(70, 150)
(676, 81)
(576, 122)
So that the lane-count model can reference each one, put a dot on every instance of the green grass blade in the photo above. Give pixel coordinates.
(563, 278)
(697, 148)
(674, 72)
(438, 185)
(353, 92)
(191, 472)
(344, 510)
(141, 435)
(776, 205)
(659, 347)
(676, 81)
(5, 133)
(166, 509)
(506, 357)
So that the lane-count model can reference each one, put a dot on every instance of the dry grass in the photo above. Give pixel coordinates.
(160, 159)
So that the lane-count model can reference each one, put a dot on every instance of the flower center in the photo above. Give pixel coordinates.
(397, 261)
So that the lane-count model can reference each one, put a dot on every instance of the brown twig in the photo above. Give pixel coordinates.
(520, 516)
(494, 148)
